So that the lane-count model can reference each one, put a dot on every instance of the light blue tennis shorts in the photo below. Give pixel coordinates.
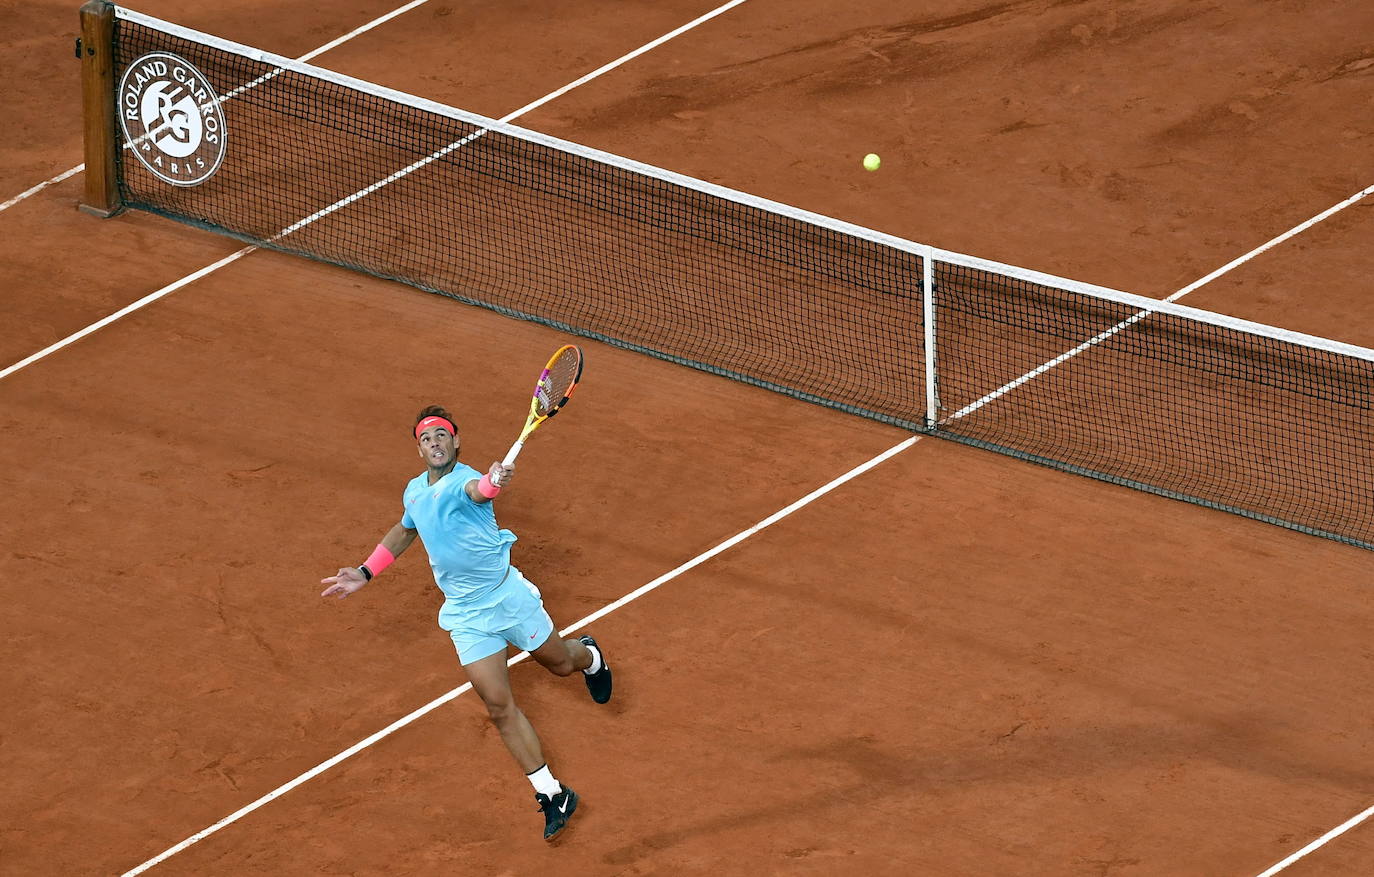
(517, 617)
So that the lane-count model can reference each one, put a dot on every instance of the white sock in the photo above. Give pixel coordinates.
(596, 661)
(543, 782)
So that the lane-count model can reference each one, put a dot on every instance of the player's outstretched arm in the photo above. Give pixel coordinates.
(484, 489)
(350, 578)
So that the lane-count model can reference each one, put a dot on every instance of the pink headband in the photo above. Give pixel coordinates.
(434, 421)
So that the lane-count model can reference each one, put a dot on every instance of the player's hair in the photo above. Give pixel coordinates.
(433, 411)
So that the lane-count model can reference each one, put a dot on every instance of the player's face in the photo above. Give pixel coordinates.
(438, 447)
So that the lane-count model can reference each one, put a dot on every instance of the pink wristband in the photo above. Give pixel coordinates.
(486, 488)
(380, 558)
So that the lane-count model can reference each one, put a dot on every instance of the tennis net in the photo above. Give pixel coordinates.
(1172, 400)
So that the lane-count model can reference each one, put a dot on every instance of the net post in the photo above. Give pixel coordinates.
(96, 48)
(928, 322)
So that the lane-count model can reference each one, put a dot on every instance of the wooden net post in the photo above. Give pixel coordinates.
(96, 49)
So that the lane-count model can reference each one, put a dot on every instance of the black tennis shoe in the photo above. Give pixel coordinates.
(598, 683)
(557, 810)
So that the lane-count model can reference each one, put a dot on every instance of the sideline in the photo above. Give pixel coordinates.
(578, 625)
(339, 41)
(1320, 842)
(233, 257)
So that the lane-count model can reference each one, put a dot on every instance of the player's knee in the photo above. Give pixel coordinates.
(501, 711)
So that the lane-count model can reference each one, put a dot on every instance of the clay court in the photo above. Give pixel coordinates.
(952, 663)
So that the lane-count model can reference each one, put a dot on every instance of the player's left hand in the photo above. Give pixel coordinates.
(347, 581)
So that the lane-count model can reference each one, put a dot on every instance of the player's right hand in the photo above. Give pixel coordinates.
(500, 474)
(348, 580)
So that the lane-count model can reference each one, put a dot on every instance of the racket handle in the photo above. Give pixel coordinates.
(513, 452)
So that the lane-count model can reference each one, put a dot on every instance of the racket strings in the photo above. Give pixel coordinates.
(542, 394)
(553, 388)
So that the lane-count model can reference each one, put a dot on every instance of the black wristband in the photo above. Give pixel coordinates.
(367, 573)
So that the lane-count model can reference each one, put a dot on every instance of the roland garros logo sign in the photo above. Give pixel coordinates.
(172, 118)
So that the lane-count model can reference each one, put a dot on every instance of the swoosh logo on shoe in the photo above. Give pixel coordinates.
(563, 808)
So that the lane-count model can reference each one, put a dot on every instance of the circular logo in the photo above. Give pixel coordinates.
(172, 119)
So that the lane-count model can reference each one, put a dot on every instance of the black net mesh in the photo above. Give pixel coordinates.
(547, 235)
(1265, 428)
(1243, 422)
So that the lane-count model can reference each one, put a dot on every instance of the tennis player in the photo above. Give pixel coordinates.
(487, 602)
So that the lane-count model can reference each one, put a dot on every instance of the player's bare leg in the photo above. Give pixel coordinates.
(563, 657)
(490, 678)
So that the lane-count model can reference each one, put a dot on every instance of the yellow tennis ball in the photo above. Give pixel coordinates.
(872, 162)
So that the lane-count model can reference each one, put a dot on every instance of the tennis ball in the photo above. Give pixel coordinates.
(872, 162)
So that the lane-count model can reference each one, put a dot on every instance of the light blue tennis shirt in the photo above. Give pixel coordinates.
(468, 553)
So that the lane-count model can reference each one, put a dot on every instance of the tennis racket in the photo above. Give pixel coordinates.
(551, 392)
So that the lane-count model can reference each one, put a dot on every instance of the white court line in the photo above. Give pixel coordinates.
(578, 625)
(125, 311)
(41, 186)
(696, 561)
(645, 589)
(1319, 842)
(334, 43)
(1295, 230)
(1039, 370)
(152, 297)
(1132, 320)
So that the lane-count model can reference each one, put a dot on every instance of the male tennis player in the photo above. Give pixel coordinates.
(487, 602)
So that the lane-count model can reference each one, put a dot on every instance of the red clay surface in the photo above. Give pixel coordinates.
(955, 664)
